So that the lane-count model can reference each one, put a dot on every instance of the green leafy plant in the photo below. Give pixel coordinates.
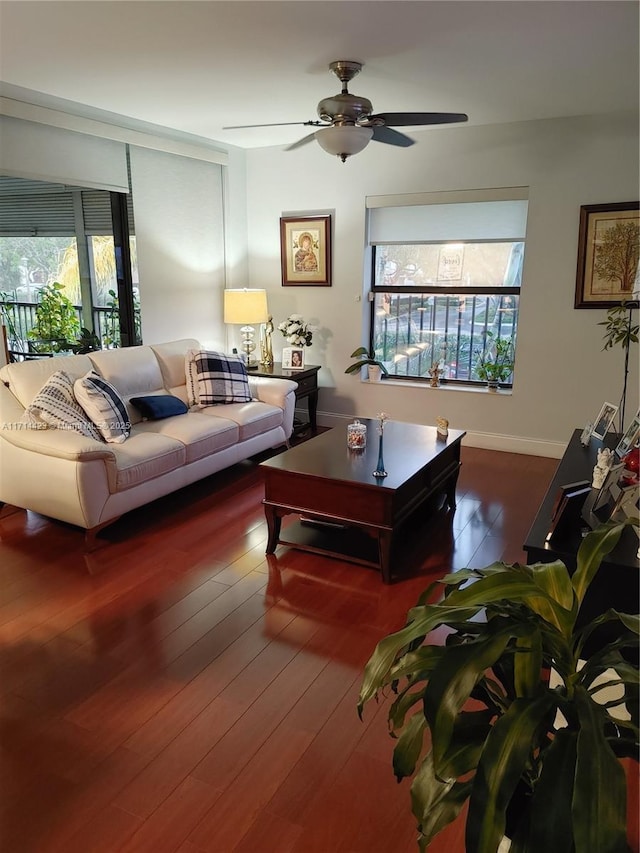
(7, 308)
(365, 356)
(621, 330)
(56, 323)
(87, 341)
(495, 363)
(486, 700)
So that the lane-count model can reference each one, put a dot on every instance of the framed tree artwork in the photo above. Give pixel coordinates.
(608, 249)
(305, 249)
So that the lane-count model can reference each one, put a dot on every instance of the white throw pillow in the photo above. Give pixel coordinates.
(55, 406)
(104, 405)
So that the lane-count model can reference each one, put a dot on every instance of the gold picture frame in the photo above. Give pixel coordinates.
(305, 250)
(606, 275)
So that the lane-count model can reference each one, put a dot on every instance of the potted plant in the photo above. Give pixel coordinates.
(87, 341)
(495, 363)
(492, 715)
(56, 321)
(368, 357)
(621, 329)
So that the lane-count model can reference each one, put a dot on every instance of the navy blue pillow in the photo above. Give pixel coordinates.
(158, 406)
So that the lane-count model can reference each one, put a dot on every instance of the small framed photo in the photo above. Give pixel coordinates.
(630, 438)
(604, 420)
(305, 250)
(609, 489)
(293, 358)
(608, 232)
(586, 434)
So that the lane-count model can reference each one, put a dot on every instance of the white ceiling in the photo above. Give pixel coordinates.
(198, 66)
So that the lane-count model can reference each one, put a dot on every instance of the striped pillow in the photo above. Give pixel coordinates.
(55, 406)
(221, 378)
(104, 405)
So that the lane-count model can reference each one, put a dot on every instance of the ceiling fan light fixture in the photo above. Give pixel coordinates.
(344, 140)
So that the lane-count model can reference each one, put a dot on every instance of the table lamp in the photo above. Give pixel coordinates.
(245, 307)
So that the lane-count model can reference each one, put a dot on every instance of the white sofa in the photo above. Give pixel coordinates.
(89, 483)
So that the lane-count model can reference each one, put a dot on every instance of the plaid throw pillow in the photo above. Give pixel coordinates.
(221, 378)
(55, 406)
(104, 405)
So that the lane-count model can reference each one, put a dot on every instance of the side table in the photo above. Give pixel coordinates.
(307, 380)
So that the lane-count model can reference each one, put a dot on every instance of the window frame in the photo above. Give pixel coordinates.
(446, 289)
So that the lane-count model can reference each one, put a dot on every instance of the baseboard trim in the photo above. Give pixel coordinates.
(483, 440)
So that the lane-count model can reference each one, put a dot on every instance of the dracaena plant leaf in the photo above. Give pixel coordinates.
(514, 587)
(591, 552)
(451, 684)
(547, 826)
(435, 802)
(599, 799)
(504, 758)
(376, 673)
(409, 746)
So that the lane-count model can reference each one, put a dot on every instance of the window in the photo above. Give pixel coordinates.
(446, 280)
(55, 233)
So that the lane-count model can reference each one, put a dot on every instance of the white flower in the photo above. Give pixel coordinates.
(296, 331)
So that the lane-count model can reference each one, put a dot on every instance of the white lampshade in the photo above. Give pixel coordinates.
(245, 306)
(344, 140)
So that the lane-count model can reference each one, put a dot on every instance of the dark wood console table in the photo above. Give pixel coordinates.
(307, 380)
(617, 582)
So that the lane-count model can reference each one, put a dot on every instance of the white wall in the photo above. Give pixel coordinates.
(562, 375)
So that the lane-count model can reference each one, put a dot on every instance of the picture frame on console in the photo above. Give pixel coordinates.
(604, 420)
(630, 438)
(603, 278)
(305, 250)
(293, 358)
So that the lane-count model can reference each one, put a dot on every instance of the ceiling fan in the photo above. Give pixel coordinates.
(347, 123)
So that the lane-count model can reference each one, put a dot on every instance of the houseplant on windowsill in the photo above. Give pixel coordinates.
(492, 715)
(495, 364)
(368, 357)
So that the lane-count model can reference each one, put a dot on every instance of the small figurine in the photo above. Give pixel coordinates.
(442, 427)
(605, 461)
(435, 372)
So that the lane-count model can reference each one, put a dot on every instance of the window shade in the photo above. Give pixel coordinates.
(485, 220)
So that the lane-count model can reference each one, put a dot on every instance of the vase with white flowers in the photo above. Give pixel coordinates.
(296, 331)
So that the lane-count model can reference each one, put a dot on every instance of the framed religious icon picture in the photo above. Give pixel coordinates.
(608, 243)
(305, 250)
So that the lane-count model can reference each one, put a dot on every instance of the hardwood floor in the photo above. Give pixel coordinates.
(178, 691)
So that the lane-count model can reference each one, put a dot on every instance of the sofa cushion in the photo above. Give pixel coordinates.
(143, 457)
(154, 407)
(171, 358)
(221, 378)
(26, 378)
(201, 436)
(252, 418)
(55, 406)
(104, 406)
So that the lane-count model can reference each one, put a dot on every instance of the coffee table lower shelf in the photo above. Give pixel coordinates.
(341, 541)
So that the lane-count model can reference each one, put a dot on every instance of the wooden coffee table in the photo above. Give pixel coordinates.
(334, 490)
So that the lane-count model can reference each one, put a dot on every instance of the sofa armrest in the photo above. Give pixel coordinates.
(64, 444)
(270, 390)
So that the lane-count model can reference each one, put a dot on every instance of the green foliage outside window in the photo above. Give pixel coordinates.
(57, 323)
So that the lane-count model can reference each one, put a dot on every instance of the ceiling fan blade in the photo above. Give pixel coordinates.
(300, 142)
(391, 137)
(406, 119)
(276, 124)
